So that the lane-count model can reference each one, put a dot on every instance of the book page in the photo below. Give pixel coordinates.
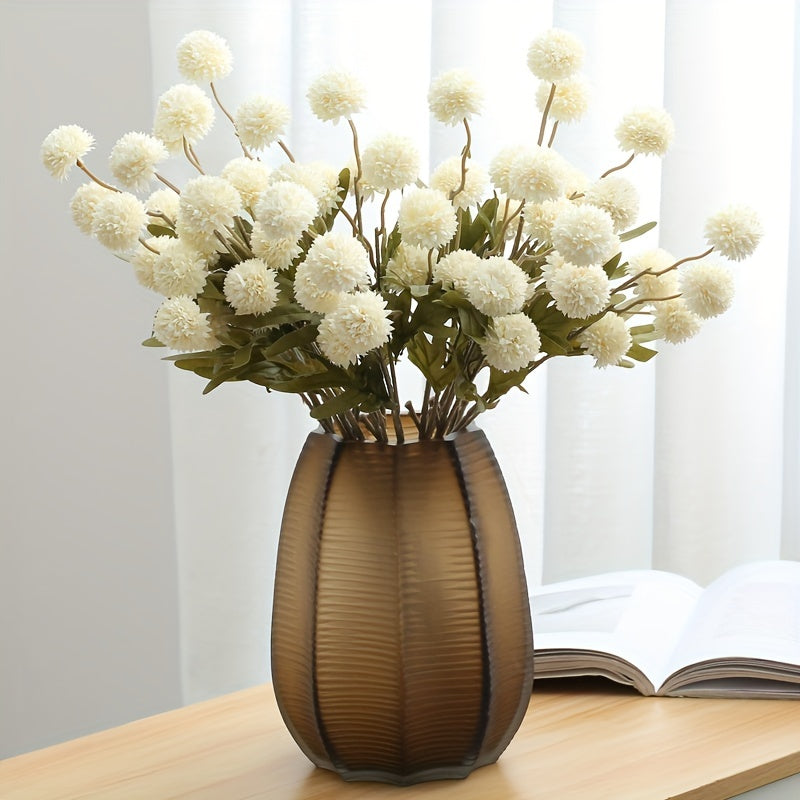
(751, 612)
(636, 615)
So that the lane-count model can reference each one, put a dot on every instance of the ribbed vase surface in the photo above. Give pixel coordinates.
(401, 636)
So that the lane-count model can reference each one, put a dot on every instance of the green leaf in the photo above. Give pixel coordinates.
(330, 379)
(610, 267)
(639, 353)
(502, 382)
(296, 338)
(152, 342)
(642, 229)
(242, 356)
(154, 229)
(349, 398)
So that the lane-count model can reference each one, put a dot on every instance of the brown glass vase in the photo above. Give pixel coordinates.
(401, 635)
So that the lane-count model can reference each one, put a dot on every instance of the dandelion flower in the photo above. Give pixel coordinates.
(580, 292)
(617, 196)
(734, 232)
(261, 121)
(707, 288)
(335, 263)
(275, 253)
(426, 218)
(674, 321)
(537, 174)
(180, 325)
(285, 209)
(447, 178)
(251, 287)
(570, 101)
(409, 265)
(178, 269)
(118, 221)
(646, 131)
(512, 342)
(498, 287)
(606, 340)
(453, 271)
(83, 205)
(203, 57)
(184, 111)
(163, 201)
(390, 162)
(359, 324)
(454, 96)
(208, 204)
(555, 55)
(584, 235)
(62, 148)
(335, 95)
(249, 177)
(133, 159)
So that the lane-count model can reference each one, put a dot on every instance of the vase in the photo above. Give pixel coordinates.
(401, 636)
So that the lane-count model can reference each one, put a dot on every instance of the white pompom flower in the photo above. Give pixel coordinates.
(118, 220)
(734, 232)
(537, 174)
(359, 324)
(251, 287)
(498, 287)
(180, 325)
(63, 147)
(204, 57)
(584, 234)
(184, 111)
(580, 292)
(454, 96)
(208, 204)
(454, 270)
(249, 177)
(570, 101)
(540, 218)
(321, 179)
(390, 162)
(707, 288)
(426, 218)
(275, 253)
(336, 95)
(617, 196)
(501, 165)
(163, 201)
(285, 209)
(555, 55)
(178, 269)
(650, 285)
(674, 321)
(335, 263)
(133, 159)
(512, 342)
(83, 205)
(646, 131)
(260, 121)
(607, 340)
(446, 178)
(408, 265)
(143, 259)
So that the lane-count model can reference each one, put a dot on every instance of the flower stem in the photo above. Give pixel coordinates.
(619, 166)
(167, 183)
(224, 110)
(465, 154)
(94, 177)
(286, 150)
(545, 113)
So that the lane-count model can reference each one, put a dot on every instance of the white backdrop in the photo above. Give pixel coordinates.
(688, 463)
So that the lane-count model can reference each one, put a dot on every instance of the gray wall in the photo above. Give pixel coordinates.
(88, 597)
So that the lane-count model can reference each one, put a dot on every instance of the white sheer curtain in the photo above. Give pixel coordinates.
(687, 463)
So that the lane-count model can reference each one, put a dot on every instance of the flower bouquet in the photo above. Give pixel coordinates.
(294, 278)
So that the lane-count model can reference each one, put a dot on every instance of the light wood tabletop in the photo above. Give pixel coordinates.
(581, 740)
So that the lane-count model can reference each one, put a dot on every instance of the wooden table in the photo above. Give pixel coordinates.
(581, 740)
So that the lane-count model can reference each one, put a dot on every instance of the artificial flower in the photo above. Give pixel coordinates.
(455, 96)
(580, 292)
(607, 340)
(674, 321)
(426, 218)
(251, 287)
(499, 287)
(646, 131)
(359, 324)
(204, 57)
(734, 232)
(285, 209)
(63, 147)
(446, 178)
(336, 95)
(118, 220)
(261, 121)
(184, 111)
(207, 207)
(511, 343)
(133, 159)
(249, 177)
(707, 288)
(555, 55)
(180, 325)
(390, 162)
(584, 235)
(570, 101)
(83, 205)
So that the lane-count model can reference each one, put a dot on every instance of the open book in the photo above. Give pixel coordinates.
(665, 635)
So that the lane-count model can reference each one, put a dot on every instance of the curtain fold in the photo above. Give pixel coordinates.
(688, 462)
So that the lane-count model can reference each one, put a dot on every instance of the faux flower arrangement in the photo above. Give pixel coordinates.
(275, 276)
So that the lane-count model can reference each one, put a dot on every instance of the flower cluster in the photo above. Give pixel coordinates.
(272, 275)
